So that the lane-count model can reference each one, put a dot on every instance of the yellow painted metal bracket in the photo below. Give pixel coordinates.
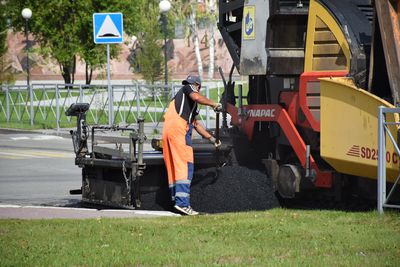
(317, 10)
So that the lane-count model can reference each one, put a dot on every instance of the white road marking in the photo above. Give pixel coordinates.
(47, 137)
(9, 206)
(23, 154)
(20, 138)
(11, 157)
(19, 155)
(38, 137)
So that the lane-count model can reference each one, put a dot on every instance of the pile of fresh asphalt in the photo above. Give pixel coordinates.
(234, 189)
(231, 189)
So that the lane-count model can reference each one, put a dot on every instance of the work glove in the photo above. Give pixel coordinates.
(218, 107)
(214, 142)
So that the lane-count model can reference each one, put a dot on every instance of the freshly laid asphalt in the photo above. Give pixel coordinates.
(231, 189)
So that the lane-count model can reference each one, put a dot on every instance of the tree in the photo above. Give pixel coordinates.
(6, 75)
(149, 55)
(195, 37)
(146, 56)
(189, 9)
(64, 29)
(95, 55)
(211, 41)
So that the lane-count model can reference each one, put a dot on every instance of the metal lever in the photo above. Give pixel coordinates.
(217, 167)
(217, 128)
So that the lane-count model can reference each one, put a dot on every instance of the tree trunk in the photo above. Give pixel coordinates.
(65, 72)
(211, 40)
(73, 70)
(195, 38)
(88, 73)
(68, 71)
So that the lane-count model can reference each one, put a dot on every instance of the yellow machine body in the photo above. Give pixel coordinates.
(349, 129)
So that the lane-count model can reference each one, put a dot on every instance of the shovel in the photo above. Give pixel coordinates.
(217, 140)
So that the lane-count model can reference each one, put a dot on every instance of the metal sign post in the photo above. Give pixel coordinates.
(108, 29)
(110, 91)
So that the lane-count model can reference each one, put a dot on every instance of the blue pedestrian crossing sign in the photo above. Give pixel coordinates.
(108, 28)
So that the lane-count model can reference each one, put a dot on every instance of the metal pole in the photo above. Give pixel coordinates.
(155, 104)
(164, 22)
(28, 71)
(381, 159)
(138, 101)
(57, 110)
(207, 109)
(80, 93)
(218, 92)
(217, 126)
(110, 93)
(240, 109)
(31, 102)
(27, 52)
(123, 98)
(141, 141)
(308, 161)
(8, 103)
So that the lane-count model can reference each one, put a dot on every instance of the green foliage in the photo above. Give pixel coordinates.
(3, 34)
(149, 54)
(95, 55)
(65, 29)
(277, 237)
(6, 75)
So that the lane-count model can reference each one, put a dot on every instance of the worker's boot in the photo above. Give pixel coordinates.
(186, 210)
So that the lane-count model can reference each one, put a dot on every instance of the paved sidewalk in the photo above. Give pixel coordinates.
(39, 212)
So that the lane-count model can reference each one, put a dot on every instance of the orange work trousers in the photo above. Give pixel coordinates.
(178, 155)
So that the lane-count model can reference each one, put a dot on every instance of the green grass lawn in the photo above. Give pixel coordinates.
(273, 238)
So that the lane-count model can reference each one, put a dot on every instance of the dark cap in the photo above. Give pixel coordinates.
(191, 79)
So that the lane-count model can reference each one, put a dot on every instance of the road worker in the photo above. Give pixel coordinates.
(179, 121)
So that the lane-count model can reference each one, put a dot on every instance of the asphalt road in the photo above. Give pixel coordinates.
(37, 169)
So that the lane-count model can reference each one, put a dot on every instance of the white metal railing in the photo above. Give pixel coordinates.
(383, 131)
(48, 102)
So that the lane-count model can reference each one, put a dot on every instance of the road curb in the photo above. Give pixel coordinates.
(41, 212)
